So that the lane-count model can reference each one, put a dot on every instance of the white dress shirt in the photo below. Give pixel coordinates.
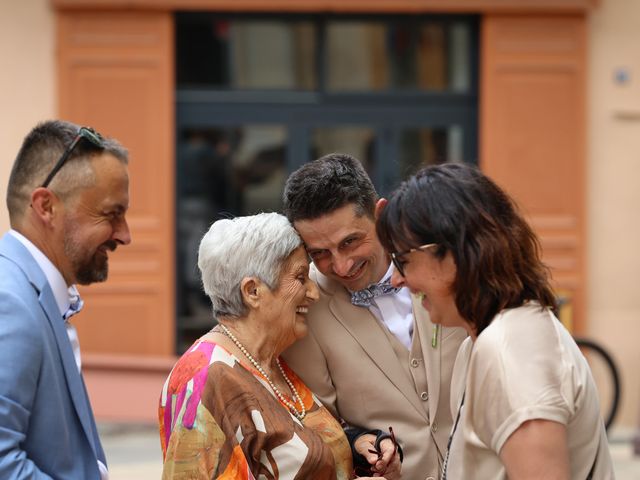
(395, 311)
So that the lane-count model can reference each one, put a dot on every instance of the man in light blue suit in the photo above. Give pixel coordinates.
(67, 197)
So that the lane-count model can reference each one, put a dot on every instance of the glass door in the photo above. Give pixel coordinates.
(260, 95)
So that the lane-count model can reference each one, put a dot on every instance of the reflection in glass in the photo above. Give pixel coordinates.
(215, 52)
(270, 54)
(376, 54)
(428, 146)
(220, 172)
(404, 54)
(224, 64)
(356, 141)
(260, 169)
(459, 57)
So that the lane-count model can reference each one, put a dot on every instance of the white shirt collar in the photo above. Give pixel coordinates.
(388, 273)
(54, 277)
(395, 311)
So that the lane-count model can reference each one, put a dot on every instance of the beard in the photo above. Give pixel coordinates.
(88, 267)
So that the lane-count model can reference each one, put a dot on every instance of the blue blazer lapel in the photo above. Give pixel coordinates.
(75, 383)
(11, 248)
(96, 445)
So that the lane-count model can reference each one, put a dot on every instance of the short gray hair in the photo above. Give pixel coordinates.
(40, 150)
(233, 249)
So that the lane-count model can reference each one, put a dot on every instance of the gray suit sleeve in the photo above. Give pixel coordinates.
(20, 360)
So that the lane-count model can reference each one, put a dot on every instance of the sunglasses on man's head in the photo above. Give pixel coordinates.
(86, 133)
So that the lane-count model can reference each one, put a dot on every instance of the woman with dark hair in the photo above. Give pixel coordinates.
(523, 398)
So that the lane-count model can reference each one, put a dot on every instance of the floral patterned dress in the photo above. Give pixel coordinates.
(220, 419)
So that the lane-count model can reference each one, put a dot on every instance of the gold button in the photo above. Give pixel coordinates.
(424, 396)
(415, 362)
(434, 427)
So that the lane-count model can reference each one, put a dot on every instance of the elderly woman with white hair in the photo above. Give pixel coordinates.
(231, 408)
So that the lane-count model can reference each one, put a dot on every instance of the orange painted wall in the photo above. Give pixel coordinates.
(532, 133)
(116, 73)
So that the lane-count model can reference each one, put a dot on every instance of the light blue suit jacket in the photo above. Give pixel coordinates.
(47, 428)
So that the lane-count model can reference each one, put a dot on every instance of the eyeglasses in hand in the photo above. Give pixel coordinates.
(366, 472)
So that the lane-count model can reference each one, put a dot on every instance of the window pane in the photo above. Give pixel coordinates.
(460, 57)
(356, 141)
(260, 169)
(215, 52)
(406, 54)
(239, 170)
(220, 172)
(420, 147)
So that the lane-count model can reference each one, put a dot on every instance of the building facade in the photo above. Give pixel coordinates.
(512, 85)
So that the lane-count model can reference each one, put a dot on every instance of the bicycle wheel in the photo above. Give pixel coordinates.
(607, 379)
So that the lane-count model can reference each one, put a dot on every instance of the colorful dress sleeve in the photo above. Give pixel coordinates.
(220, 419)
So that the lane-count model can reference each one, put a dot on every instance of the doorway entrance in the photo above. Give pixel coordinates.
(260, 95)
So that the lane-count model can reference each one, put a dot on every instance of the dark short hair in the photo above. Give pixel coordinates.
(497, 254)
(327, 184)
(40, 150)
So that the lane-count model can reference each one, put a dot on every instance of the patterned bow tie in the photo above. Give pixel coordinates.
(75, 303)
(364, 297)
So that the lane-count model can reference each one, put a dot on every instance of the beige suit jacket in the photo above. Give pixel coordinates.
(348, 360)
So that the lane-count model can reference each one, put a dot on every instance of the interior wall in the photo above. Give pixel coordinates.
(27, 82)
(613, 168)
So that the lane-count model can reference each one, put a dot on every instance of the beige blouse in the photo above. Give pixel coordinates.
(523, 366)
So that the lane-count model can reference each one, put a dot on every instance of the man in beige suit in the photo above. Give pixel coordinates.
(372, 355)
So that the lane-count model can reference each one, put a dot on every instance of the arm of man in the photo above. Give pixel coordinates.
(537, 449)
(20, 359)
(308, 361)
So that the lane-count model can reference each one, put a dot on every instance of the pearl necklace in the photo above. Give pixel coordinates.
(296, 397)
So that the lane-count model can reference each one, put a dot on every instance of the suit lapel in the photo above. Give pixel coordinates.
(431, 354)
(71, 373)
(12, 249)
(367, 331)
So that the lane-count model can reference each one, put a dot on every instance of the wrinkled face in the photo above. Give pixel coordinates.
(95, 223)
(289, 303)
(345, 247)
(432, 279)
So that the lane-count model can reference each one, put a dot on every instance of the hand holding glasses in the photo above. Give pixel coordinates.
(386, 462)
